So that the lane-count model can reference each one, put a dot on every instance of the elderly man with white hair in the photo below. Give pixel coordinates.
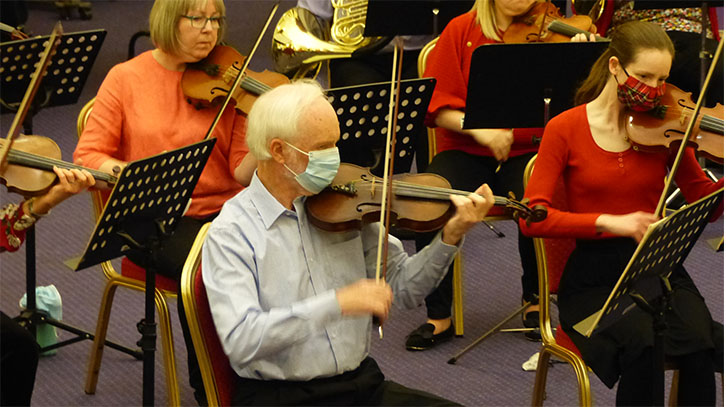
(293, 304)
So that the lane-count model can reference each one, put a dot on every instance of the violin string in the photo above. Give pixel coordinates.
(30, 159)
(249, 83)
(436, 192)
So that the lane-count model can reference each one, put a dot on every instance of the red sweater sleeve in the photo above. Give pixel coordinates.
(443, 63)
(546, 180)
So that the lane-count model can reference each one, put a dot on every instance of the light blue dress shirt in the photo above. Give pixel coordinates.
(271, 278)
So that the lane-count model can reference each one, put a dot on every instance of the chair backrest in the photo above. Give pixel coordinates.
(99, 197)
(422, 58)
(552, 255)
(217, 374)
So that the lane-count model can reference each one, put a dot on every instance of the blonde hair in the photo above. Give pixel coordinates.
(164, 21)
(626, 41)
(277, 114)
(486, 18)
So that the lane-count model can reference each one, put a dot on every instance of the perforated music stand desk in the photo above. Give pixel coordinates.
(664, 247)
(508, 83)
(66, 74)
(149, 199)
(363, 115)
(62, 84)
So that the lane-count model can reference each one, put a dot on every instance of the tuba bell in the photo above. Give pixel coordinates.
(300, 42)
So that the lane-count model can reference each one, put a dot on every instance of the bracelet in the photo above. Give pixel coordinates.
(31, 212)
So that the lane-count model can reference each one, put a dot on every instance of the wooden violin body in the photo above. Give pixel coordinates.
(420, 202)
(665, 127)
(544, 23)
(208, 81)
(29, 168)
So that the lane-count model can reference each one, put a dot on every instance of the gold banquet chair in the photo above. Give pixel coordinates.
(494, 214)
(133, 277)
(217, 374)
(552, 255)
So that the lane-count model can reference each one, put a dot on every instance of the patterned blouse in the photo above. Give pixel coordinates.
(671, 19)
(13, 223)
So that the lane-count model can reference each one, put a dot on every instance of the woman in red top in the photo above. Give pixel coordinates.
(612, 192)
(140, 111)
(468, 158)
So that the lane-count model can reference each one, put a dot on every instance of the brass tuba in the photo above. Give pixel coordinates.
(300, 42)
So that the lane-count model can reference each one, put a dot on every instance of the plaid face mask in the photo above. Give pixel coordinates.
(638, 96)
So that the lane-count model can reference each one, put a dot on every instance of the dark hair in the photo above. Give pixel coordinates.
(625, 43)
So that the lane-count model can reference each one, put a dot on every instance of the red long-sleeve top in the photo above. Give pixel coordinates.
(601, 182)
(449, 62)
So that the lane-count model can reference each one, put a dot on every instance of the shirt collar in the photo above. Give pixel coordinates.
(269, 208)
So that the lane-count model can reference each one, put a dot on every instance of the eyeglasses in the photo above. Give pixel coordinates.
(201, 22)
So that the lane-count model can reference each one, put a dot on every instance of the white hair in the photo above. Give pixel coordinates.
(277, 114)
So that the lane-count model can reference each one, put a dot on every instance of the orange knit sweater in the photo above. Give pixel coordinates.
(140, 111)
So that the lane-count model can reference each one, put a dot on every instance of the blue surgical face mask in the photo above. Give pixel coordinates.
(322, 168)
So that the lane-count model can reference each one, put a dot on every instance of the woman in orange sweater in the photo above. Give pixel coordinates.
(140, 111)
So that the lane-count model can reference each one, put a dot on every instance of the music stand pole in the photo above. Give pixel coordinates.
(146, 204)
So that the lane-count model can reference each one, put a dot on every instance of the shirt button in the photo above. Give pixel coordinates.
(620, 159)
(621, 165)
(468, 43)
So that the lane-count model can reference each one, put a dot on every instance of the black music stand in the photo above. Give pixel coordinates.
(547, 75)
(66, 75)
(389, 18)
(664, 247)
(62, 84)
(420, 17)
(363, 115)
(146, 204)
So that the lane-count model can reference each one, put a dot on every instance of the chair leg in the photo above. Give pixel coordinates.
(583, 382)
(540, 378)
(167, 345)
(458, 290)
(104, 313)
(673, 397)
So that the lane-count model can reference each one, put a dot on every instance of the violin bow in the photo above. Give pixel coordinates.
(242, 71)
(386, 194)
(660, 209)
(32, 89)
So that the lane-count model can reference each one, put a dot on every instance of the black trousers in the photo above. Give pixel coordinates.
(467, 172)
(364, 386)
(19, 363)
(169, 263)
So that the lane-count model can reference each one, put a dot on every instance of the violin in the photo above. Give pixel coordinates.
(419, 202)
(544, 23)
(661, 127)
(209, 80)
(30, 161)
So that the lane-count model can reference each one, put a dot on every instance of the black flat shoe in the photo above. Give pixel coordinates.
(423, 338)
(531, 319)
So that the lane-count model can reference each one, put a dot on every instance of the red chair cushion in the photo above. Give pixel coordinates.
(132, 270)
(224, 375)
(564, 340)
